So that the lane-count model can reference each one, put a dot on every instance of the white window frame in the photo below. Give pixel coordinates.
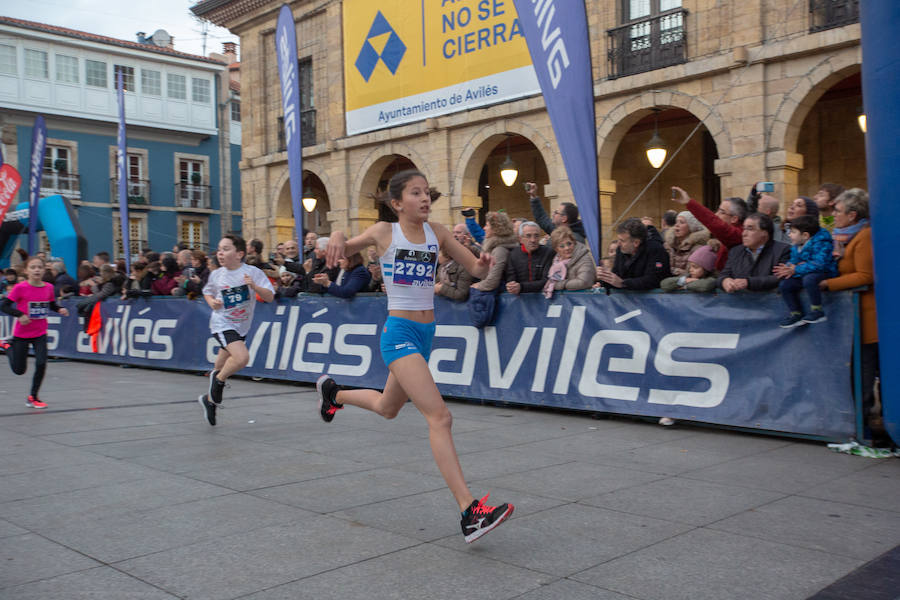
(39, 69)
(5, 64)
(66, 71)
(200, 90)
(147, 86)
(88, 75)
(170, 89)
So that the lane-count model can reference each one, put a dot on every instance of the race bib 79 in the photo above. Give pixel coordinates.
(235, 296)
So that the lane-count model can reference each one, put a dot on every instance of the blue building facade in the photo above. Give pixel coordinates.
(183, 149)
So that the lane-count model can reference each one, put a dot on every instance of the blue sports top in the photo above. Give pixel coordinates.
(409, 270)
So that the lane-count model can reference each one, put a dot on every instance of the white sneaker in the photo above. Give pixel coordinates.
(666, 422)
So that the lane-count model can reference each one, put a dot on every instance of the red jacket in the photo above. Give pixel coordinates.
(729, 235)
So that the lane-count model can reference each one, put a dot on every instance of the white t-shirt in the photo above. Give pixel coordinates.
(237, 297)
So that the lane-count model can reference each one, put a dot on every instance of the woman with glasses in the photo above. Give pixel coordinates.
(573, 267)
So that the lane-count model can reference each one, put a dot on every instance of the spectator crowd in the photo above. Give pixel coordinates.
(822, 243)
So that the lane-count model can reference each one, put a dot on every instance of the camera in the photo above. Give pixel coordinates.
(765, 187)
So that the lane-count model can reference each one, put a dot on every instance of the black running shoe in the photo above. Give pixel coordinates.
(209, 408)
(215, 388)
(480, 518)
(328, 390)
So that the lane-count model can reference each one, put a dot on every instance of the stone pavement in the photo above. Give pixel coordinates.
(121, 490)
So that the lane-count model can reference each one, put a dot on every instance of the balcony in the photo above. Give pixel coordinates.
(307, 130)
(647, 44)
(67, 185)
(138, 191)
(828, 14)
(192, 195)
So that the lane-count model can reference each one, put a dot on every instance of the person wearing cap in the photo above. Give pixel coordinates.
(289, 285)
(681, 240)
(700, 275)
(749, 266)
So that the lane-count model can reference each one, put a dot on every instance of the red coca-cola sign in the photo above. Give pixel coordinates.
(10, 180)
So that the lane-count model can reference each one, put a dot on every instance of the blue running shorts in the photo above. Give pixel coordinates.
(402, 337)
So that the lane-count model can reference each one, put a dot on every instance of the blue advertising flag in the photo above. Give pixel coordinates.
(120, 171)
(286, 51)
(557, 36)
(38, 149)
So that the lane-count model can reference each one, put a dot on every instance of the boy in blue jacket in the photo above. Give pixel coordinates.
(811, 262)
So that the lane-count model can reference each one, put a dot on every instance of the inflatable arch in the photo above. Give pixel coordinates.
(57, 218)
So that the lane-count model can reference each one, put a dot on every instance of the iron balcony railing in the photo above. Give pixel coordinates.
(648, 44)
(828, 14)
(307, 130)
(67, 185)
(192, 195)
(138, 191)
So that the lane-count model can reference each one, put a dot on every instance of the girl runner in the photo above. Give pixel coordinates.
(30, 302)
(408, 251)
(231, 294)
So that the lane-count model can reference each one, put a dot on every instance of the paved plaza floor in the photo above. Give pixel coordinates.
(121, 490)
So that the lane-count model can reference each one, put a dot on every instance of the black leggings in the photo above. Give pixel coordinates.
(18, 357)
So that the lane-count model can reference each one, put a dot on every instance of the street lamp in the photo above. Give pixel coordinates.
(656, 148)
(508, 170)
(309, 201)
(861, 119)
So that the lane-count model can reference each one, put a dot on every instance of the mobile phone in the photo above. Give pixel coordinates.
(674, 194)
(765, 187)
(525, 185)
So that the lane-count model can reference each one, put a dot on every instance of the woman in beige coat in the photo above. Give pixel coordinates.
(499, 241)
(573, 268)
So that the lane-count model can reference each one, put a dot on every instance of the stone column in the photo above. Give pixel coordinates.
(783, 168)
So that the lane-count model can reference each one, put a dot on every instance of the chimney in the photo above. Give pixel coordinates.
(229, 49)
(141, 37)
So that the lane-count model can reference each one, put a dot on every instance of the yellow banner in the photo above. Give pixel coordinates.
(397, 49)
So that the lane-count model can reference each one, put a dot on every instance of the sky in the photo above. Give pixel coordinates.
(123, 19)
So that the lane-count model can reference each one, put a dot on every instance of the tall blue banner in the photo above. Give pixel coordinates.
(557, 35)
(38, 149)
(881, 94)
(715, 358)
(286, 51)
(121, 173)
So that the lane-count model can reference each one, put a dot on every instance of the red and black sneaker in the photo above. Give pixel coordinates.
(480, 518)
(328, 405)
(34, 402)
(4, 345)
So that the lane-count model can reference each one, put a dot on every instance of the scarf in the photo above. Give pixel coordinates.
(843, 235)
(557, 273)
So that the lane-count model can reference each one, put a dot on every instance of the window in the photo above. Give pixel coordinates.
(151, 83)
(66, 68)
(8, 60)
(192, 233)
(177, 87)
(133, 165)
(192, 190)
(200, 90)
(36, 64)
(56, 159)
(190, 171)
(826, 14)
(127, 77)
(95, 73)
(236, 110)
(136, 234)
(651, 36)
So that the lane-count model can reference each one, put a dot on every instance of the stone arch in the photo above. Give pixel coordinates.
(784, 132)
(479, 146)
(282, 188)
(280, 207)
(373, 165)
(618, 121)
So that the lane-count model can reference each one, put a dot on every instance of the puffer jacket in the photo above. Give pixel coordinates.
(529, 270)
(815, 256)
(680, 251)
(499, 248)
(580, 272)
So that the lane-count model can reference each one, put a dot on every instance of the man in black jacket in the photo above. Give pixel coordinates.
(641, 260)
(529, 264)
(749, 266)
(565, 214)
